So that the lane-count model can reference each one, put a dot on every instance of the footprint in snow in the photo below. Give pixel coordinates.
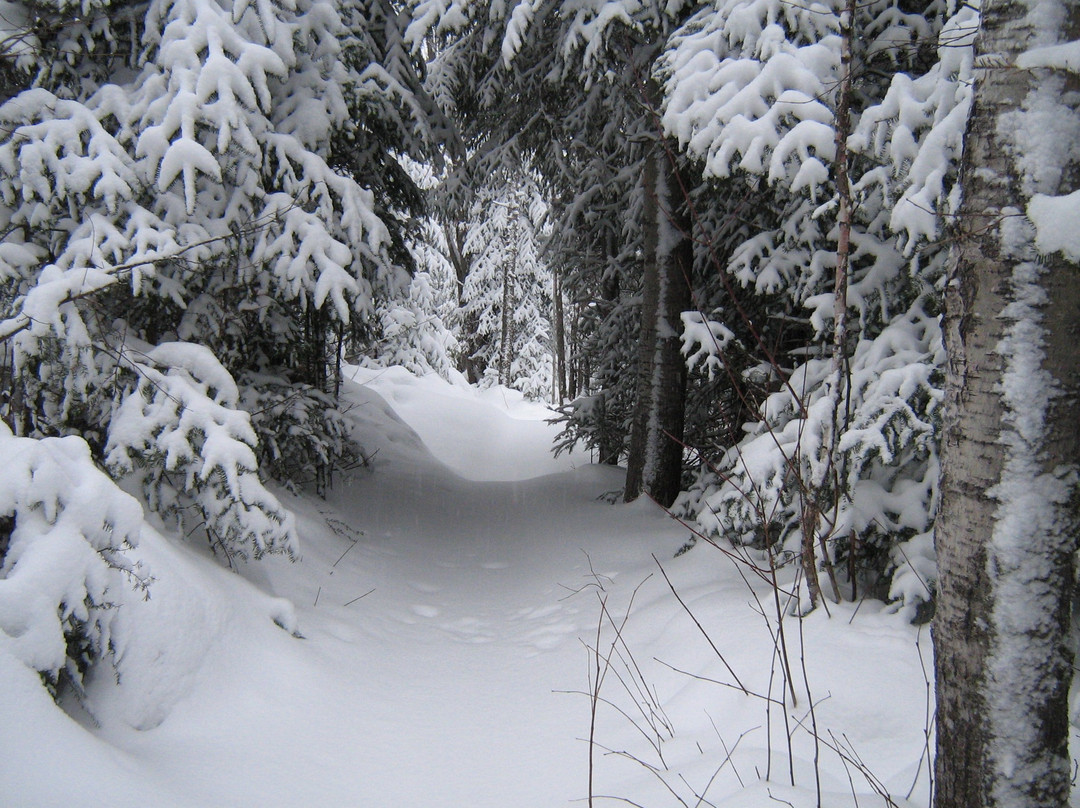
(550, 636)
(542, 611)
(469, 629)
(426, 588)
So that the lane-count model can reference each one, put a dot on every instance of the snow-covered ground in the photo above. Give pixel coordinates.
(436, 651)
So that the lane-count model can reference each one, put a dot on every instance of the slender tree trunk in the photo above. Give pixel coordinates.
(1007, 529)
(504, 331)
(612, 438)
(654, 465)
(467, 361)
(574, 370)
(560, 337)
(838, 371)
(646, 358)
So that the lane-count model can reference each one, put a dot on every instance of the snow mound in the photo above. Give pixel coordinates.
(494, 434)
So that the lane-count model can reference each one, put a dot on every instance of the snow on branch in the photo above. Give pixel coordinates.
(703, 340)
(180, 432)
(746, 92)
(64, 525)
(1064, 56)
(918, 127)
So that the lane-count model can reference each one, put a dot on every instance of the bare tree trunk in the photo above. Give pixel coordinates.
(504, 330)
(467, 361)
(560, 337)
(611, 440)
(822, 479)
(838, 371)
(646, 359)
(574, 363)
(1007, 529)
(654, 465)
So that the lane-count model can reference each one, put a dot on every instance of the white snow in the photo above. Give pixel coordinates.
(434, 650)
(1055, 219)
(1065, 56)
(490, 434)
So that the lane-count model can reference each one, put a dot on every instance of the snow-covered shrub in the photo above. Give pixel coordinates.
(64, 526)
(887, 465)
(532, 366)
(180, 432)
(303, 437)
(588, 420)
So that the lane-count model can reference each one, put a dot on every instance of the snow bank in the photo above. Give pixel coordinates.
(482, 435)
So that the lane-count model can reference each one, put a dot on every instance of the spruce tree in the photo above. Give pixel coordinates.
(216, 175)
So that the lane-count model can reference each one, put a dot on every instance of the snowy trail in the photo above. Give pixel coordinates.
(439, 686)
(473, 605)
(444, 598)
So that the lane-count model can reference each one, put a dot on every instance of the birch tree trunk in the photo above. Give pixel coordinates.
(1007, 529)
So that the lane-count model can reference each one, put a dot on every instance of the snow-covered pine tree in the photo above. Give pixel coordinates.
(194, 171)
(857, 436)
(507, 292)
(415, 326)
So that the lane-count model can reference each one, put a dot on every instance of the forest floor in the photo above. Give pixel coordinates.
(442, 625)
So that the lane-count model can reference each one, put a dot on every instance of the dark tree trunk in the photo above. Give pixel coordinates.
(611, 441)
(504, 329)
(654, 465)
(560, 337)
(467, 361)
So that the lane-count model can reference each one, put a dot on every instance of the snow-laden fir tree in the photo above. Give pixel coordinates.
(843, 461)
(416, 327)
(507, 292)
(191, 171)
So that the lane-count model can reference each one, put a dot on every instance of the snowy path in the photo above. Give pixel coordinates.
(472, 608)
(435, 599)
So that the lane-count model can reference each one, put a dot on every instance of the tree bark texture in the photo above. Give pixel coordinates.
(654, 465)
(1002, 664)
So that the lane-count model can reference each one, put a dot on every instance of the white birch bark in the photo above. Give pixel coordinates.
(1007, 530)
